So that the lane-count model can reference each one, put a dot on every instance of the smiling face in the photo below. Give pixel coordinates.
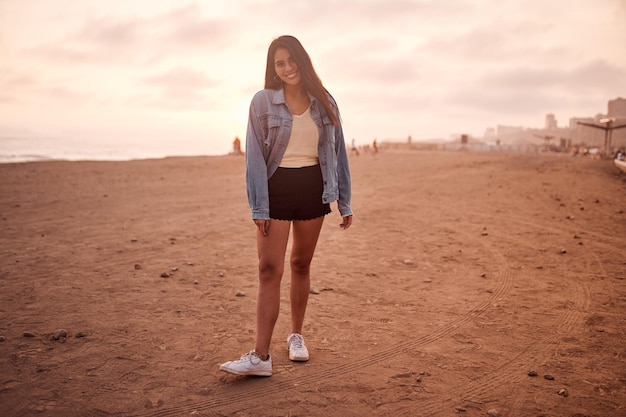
(286, 67)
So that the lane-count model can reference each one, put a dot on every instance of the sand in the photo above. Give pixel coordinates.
(462, 273)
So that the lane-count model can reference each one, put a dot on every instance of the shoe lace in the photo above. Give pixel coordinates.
(296, 341)
(252, 356)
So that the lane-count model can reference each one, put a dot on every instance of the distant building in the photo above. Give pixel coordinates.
(502, 130)
(617, 108)
(573, 122)
(562, 138)
(584, 135)
(550, 121)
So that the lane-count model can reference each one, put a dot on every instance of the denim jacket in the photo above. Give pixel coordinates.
(269, 129)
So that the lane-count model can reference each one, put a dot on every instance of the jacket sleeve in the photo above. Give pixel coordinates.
(343, 173)
(256, 167)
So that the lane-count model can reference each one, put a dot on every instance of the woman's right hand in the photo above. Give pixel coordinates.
(263, 225)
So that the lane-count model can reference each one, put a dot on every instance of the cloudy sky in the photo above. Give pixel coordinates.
(172, 70)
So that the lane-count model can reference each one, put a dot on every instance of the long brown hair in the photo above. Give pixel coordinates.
(310, 80)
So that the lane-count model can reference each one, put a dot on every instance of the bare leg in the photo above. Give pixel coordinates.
(305, 235)
(271, 249)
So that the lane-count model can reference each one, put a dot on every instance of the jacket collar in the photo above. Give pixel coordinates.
(279, 97)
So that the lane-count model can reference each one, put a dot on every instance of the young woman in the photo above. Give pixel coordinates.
(296, 165)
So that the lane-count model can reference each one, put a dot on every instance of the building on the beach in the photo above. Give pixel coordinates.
(584, 135)
(550, 122)
(617, 108)
(576, 134)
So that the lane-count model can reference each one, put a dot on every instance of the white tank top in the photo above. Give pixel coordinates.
(302, 147)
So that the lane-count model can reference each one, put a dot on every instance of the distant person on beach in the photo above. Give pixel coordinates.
(296, 165)
(353, 148)
(237, 147)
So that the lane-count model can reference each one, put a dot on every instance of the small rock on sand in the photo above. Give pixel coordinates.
(59, 334)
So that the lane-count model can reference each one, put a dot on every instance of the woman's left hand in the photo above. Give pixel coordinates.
(347, 221)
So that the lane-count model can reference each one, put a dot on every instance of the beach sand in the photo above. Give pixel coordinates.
(462, 273)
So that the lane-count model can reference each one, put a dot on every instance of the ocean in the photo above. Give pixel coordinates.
(27, 149)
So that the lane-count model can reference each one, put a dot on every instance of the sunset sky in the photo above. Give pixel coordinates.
(125, 71)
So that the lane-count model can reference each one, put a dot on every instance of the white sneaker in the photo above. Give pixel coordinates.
(297, 349)
(249, 364)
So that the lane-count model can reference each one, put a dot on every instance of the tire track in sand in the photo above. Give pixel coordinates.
(511, 372)
(514, 371)
(224, 399)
